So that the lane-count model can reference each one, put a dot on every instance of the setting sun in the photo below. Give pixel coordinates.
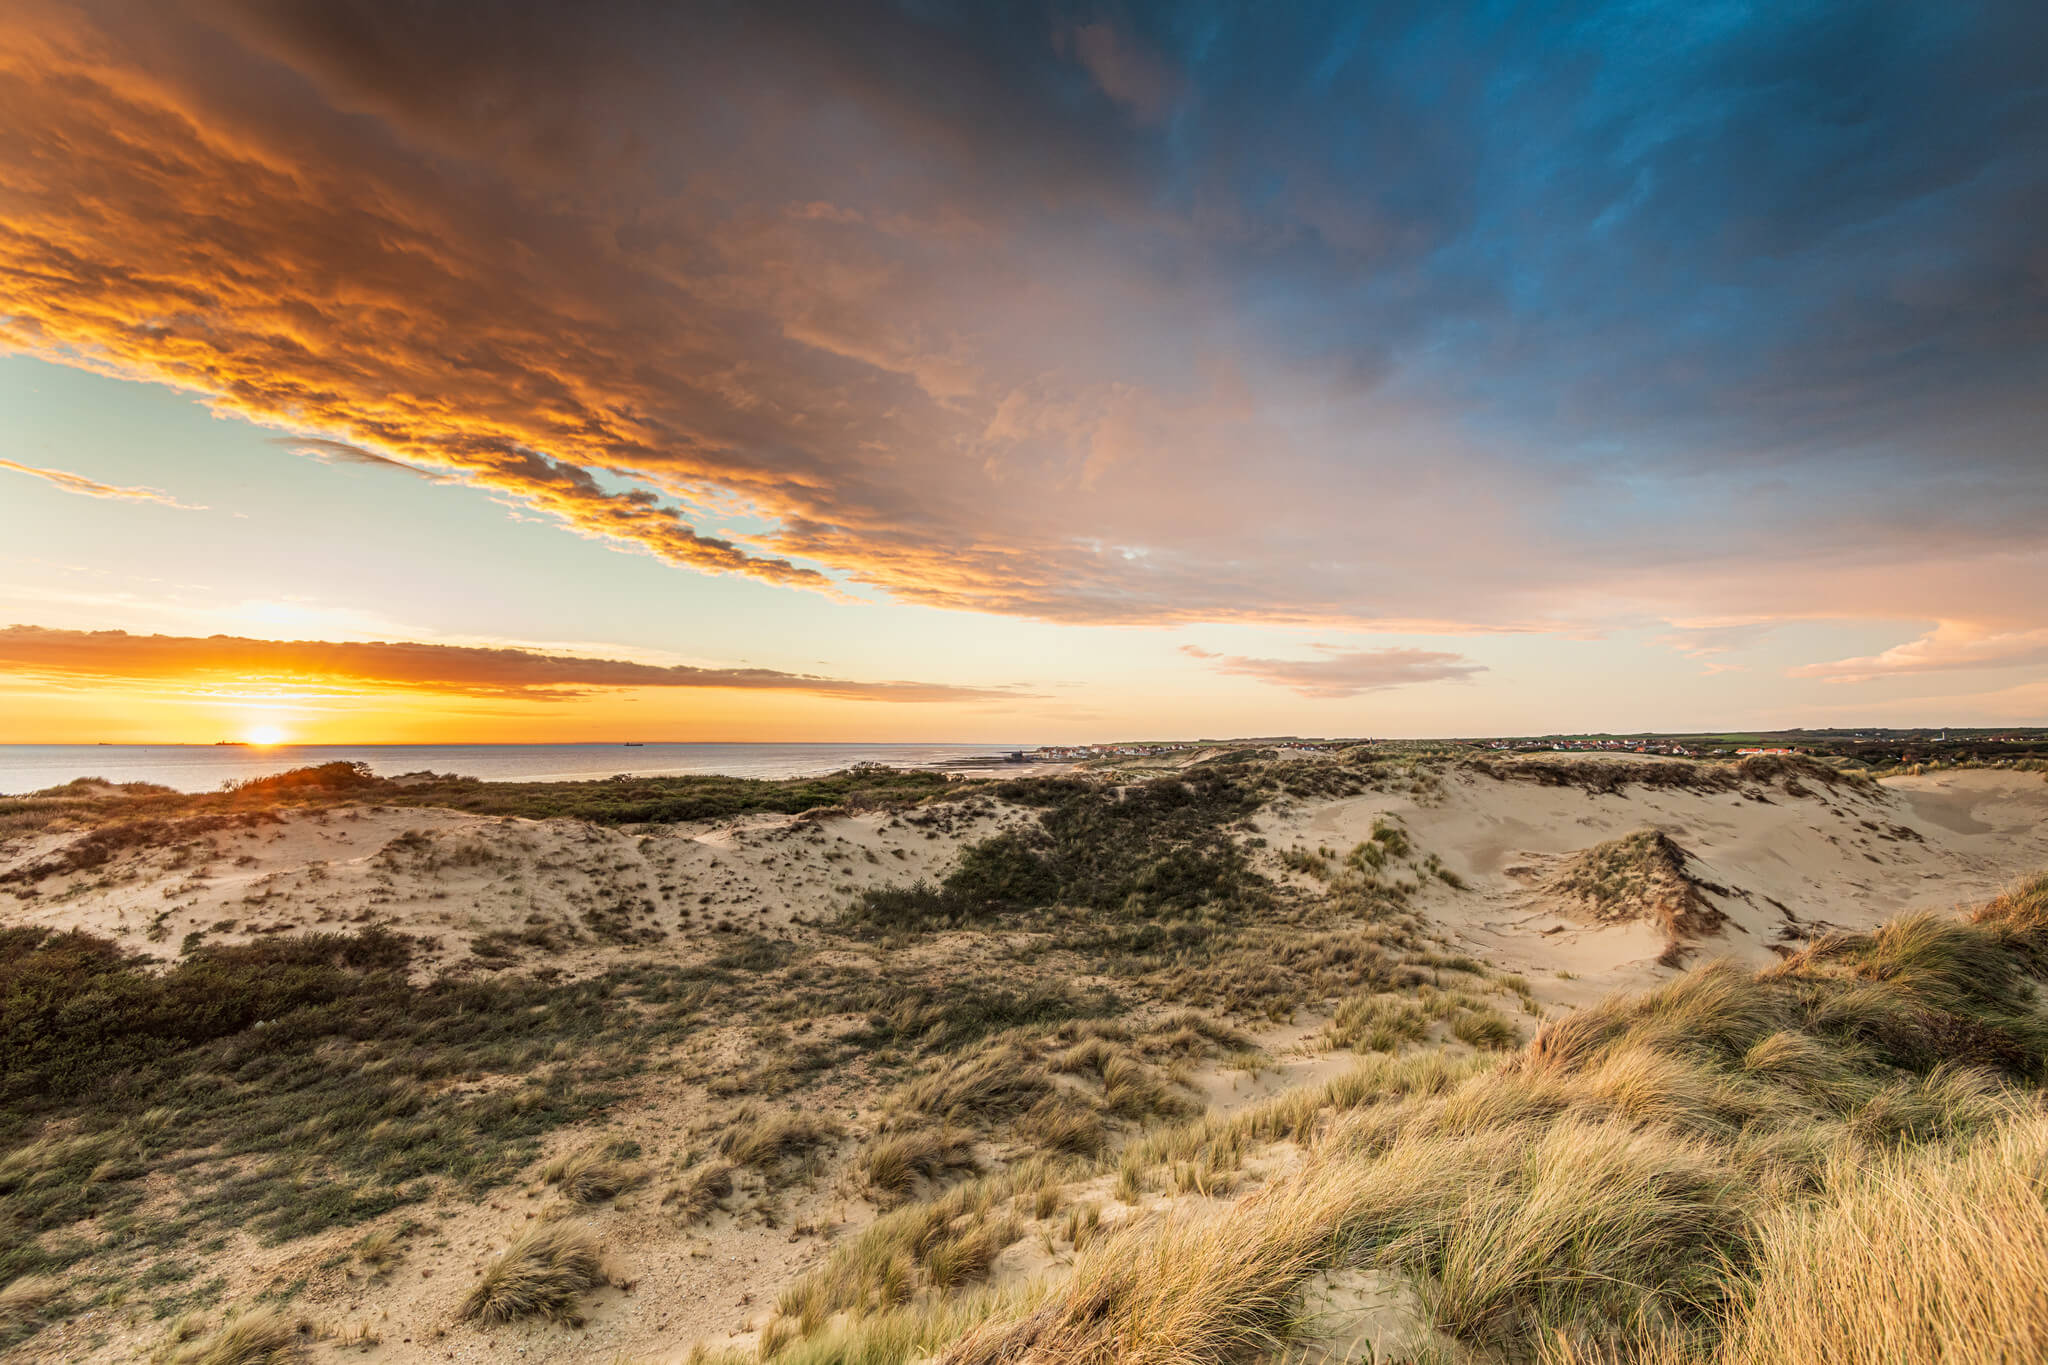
(265, 735)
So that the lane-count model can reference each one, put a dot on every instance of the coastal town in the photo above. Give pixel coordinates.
(1867, 745)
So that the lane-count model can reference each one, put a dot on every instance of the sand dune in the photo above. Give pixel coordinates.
(1781, 867)
(1757, 869)
(574, 892)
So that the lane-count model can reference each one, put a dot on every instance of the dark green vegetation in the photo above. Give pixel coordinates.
(1793, 774)
(1160, 850)
(292, 1085)
(642, 800)
(1873, 750)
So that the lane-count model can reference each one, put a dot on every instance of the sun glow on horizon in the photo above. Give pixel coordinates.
(265, 736)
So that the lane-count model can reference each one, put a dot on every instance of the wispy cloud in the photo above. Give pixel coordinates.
(117, 656)
(93, 488)
(341, 452)
(1345, 673)
(1951, 646)
(1125, 70)
(1709, 642)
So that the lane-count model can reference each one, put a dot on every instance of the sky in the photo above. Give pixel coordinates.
(1019, 372)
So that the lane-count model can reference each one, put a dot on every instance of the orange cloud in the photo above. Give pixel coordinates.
(93, 488)
(308, 268)
(1950, 646)
(931, 336)
(117, 656)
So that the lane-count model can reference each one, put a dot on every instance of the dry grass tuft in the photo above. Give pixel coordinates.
(592, 1175)
(1063, 1125)
(891, 1166)
(1934, 1255)
(943, 1242)
(699, 1192)
(23, 1300)
(991, 1085)
(544, 1273)
(381, 1251)
(763, 1139)
(262, 1337)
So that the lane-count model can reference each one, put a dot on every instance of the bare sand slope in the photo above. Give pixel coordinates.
(488, 890)
(1780, 865)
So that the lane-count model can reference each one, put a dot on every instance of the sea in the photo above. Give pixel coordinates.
(205, 767)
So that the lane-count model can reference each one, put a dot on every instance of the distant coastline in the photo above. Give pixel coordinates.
(203, 767)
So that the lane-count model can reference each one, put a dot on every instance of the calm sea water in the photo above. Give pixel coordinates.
(203, 767)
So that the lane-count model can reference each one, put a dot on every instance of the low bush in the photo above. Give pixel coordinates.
(1158, 850)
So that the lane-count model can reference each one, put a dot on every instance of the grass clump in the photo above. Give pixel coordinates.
(1389, 1021)
(764, 1139)
(544, 1273)
(591, 1175)
(25, 1304)
(1382, 1022)
(380, 1252)
(991, 1084)
(262, 1337)
(940, 1243)
(891, 1166)
(1063, 1090)
(698, 1194)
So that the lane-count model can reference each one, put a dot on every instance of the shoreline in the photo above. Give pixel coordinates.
(197, 768)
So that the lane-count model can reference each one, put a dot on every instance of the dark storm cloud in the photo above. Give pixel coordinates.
(1549, 316)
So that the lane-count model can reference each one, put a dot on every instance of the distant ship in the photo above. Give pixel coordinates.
(635, 744)
(231, 743)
